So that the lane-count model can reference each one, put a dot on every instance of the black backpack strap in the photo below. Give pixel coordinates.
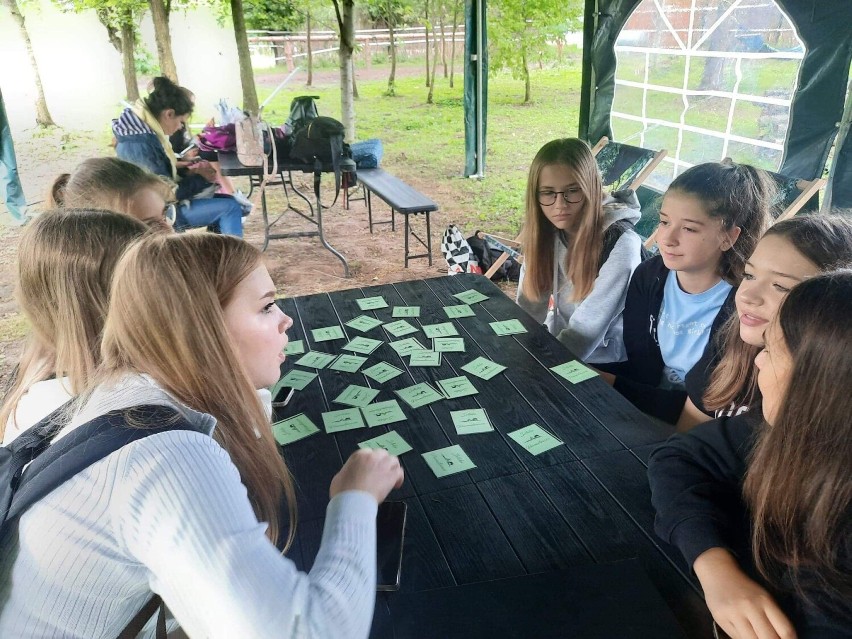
(611, 236)
(87, 444)
(134, 627)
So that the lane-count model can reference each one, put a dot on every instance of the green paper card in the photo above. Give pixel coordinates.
(382, 372)
(508, 327)
(363, 345)
(419, 395)
(425, 358)
(445, 329)
(455, 387)
(462, 310)
(534, 439)
(294, 379)
(470, 296)
(448, 344)
(382, 413)
(406, 346)
(348, 363)
(312, 359)
(484, 368)
(338, 420)
(406, 311)
(293, 429)
(327, 333)
(471, 421)
(296, 347)
(371, 303)
(358, 396)
(400, 328)
(448, 461)
(391, 442)
(574, 371)
(364, 323)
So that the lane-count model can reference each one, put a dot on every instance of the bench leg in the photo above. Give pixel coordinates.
(367, 194)
(407, 230)
(429, 238)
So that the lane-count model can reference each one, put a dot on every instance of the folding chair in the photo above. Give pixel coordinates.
(623, 166)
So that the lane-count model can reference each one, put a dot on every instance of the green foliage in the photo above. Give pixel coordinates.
(145, 62)
(272, 15)
(397, 12)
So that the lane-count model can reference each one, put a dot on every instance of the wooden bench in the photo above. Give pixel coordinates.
(402, 198)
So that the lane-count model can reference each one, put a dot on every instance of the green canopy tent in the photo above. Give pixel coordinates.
(817, 114)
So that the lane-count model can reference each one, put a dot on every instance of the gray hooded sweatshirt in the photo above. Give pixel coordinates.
(592, 327)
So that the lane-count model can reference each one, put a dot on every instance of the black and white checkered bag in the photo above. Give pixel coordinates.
(457, 252)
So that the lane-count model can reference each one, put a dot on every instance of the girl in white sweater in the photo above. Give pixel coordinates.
(192, 515)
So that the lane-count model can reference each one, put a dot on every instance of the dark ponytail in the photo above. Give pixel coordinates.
(168, 95)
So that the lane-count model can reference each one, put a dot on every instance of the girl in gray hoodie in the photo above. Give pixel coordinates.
(569, 281)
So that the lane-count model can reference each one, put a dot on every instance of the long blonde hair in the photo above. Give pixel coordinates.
(66, 260)
(166, 320)
(539, 235)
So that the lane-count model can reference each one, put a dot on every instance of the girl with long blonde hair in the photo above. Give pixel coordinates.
(566, 280)
(65, 263)
(193, 515)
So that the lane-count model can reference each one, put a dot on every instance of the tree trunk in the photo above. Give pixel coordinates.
(527, 91)
(346, 27)
(160, 18)
(453, 47)
(309, 51)
(246, 75)
(392, 77)
(426, 27)
(435, 43)
(443, 39)
(355, 95)
(128, 46)
(43, 117)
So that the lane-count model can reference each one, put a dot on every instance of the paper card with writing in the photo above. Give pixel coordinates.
(293, 379)
(407, 346)
(470, 296)
(382, 372)
(296, 347)
(461, 310)
(354, 395)
(419, 395)
(508, 327)
(382, 413)
(424, 358)
(313, 359)
(400, 328)
(445, 329)
(346, 419)
(448, 344)
(371, 303)
(448, 461)
(363, 345)
(484, 368)
(471, 421)
(347, 363)
(293, 429)
(406, 311)
(455, 387)
(391, 442)
(574, 371)
(327, 333)
(364, 323)
(534, 439)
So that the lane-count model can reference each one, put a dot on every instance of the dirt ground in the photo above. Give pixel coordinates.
(298, 266)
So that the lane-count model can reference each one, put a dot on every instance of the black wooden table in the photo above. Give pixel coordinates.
(230, 165)
(575, 508)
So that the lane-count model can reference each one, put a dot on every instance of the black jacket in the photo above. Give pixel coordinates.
(696, 487)
(638, 378)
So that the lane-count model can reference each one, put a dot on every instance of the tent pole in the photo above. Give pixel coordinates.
(480, 147)
(589, 24)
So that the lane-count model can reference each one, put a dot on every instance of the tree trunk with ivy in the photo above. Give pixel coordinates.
(160, 17)
(128, 62)
(453, 46)
(345, 13)
(426, 27)
(308, 47)
(392, 77)
(429, 98)
(526, 72)
(250, 103)
(43, 117)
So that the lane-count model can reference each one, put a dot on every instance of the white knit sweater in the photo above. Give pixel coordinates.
(169, 514)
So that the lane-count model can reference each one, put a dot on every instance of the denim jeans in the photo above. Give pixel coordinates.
(10, 183)
(223, 211)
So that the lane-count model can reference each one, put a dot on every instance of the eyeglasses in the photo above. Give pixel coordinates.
(570, 196)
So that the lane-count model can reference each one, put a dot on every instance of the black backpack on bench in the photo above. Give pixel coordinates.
(31, 468)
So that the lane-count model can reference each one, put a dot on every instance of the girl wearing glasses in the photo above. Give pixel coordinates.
(115, 185)
(568, 281)
(65, 263)
(711, 218)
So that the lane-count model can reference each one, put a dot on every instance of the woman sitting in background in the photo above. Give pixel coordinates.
(762, 512)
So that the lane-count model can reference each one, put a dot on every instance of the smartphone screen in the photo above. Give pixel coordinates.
(390, 530)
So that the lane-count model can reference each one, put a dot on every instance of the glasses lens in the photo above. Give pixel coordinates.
(574, 196)
(170, 213)
(546, 198)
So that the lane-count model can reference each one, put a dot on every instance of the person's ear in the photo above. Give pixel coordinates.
(169, 113)
(730, 237)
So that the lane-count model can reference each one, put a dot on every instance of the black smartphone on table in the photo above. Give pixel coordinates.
(390, 532)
